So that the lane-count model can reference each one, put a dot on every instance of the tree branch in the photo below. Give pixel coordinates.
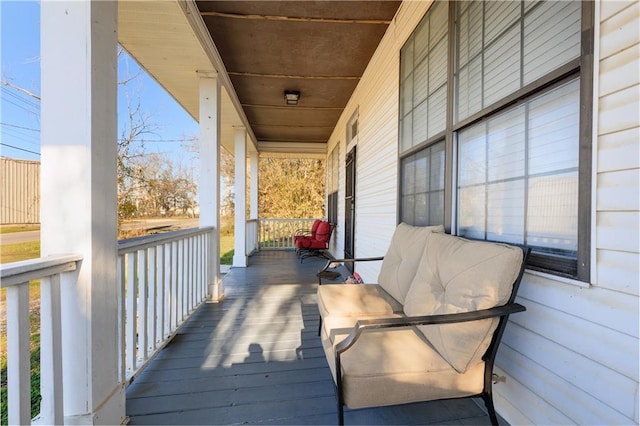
(20, 89)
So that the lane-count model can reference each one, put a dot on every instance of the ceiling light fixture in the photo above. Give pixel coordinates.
(291, 97)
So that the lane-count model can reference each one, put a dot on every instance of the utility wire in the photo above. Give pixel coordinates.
(18, 148)
(159, 140)
(15, 134)
(20, 127)
(20, 98)
(22, 107)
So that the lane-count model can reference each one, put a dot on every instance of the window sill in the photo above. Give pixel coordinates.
(564, 280)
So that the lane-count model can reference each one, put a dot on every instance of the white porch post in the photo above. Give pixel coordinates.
(240, 229)
(78, 198)
(209, 185)
(253, 186)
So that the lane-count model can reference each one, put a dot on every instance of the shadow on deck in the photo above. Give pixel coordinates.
(256, 358)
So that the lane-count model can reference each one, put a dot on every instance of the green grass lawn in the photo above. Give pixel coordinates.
(20, 251)
(7, 229)
(226, 249)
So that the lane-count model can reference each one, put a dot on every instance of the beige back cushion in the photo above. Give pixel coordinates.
(458, 275)
(403, 257)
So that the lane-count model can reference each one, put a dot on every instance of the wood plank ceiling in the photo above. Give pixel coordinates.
(319, 48)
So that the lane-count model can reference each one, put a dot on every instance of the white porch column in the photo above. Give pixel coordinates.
(240, 229)
(78, 198)
(209, 185)
(253, 186)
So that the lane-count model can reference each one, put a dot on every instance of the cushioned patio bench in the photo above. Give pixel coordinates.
(431, 326)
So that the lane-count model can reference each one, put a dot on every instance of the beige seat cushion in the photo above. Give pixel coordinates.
(403, 257)
(355, 300)
(458, 275)
(338, 328)
(399, 366)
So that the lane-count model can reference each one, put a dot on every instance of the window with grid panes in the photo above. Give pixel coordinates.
(422, 187)
(423, 119)
(423, 71)
(516, 131)
(504, 46)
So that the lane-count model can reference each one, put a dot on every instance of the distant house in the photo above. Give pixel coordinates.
(20, 192)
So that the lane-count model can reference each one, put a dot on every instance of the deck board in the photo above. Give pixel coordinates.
(256, 358)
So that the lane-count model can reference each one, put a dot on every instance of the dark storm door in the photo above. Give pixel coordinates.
(350, 207)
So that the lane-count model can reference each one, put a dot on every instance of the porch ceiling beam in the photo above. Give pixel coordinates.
(295, 107)
(297, 18)
(296, 77)
(294, 126)
(292, 155)
(293, 149)
(284, 142)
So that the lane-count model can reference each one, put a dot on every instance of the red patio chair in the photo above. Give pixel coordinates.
(303, 233)
(315, 246)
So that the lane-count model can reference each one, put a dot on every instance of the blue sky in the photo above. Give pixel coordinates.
(20, 113)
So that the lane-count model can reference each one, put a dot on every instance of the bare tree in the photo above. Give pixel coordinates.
(131, 145)
(6, 82)
(164, 189)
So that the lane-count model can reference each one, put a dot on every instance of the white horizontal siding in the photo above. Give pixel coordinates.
(618, 271)
(619, 71)
(539, 394)
(525, 404)
(601, 344)
(617, 231)
(616, 311)
(619, 111)
(570, 350)
(377, 166)
(618, 191)
(617, 238)
(376, 99)
(618, 26)
(619, 150)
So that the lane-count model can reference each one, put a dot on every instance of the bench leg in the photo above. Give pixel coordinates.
(488, 402)
(339, 394)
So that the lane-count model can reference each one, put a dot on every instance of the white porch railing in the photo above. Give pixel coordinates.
(252, 236)
(161, 280)
(277, 234)
(15, 278)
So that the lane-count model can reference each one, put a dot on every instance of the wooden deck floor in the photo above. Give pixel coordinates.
(256, 358)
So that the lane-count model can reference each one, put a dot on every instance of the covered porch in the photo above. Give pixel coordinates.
(256, 358)
(244, 348)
